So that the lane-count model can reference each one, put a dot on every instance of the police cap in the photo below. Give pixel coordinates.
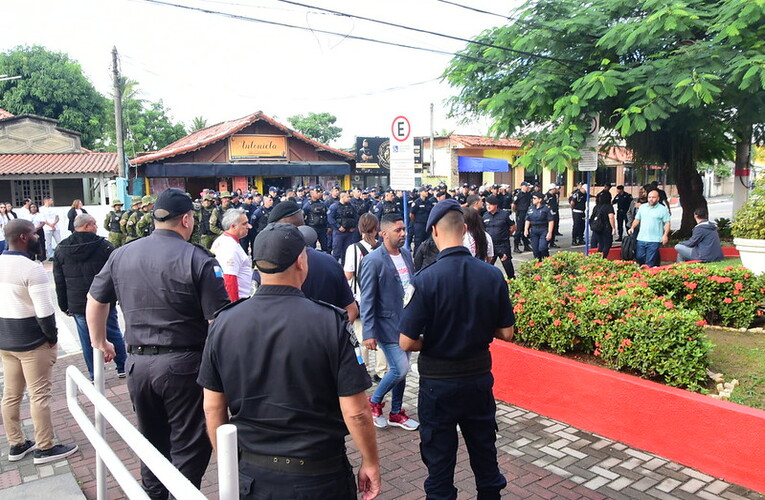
(171, 203)
(282, 210)
(440, 209)
(277, 247)
(492, 200)
(537, 194)
(423, 189)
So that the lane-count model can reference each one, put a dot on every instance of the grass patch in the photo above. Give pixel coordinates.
(729, 261)
(739, 355)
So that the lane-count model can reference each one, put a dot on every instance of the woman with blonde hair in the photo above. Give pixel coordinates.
(74, 212)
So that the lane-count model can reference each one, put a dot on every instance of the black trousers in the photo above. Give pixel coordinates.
(520, 226)
(539, 243)
(556, 225)
(258, 482)
(419, 235)
(468, 402)
(323, 240)
(602, 241)
(507, 264)
(577, 233)
(168, 405)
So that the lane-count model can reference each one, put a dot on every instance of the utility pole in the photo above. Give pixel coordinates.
(118, 115)
(432, 142)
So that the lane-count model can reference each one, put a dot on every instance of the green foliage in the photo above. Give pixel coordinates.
(54, 86)
(318, 126)
(724, 228)
(750, 219)
(721, 170)
(198, 123)
(646, 320)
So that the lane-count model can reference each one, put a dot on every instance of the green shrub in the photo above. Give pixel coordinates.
(750, 219)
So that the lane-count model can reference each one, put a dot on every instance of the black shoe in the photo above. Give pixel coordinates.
(376, 378)
(19, 451)
(55, 453)
(553, 245)
(526, 248)
(618, 239)
(558, 234)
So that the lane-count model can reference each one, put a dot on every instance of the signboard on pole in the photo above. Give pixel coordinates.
(588, 161)
(401, 154)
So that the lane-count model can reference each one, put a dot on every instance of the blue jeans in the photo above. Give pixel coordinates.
(395, 380)
(113, 335)
(683, 253)
(647, 252)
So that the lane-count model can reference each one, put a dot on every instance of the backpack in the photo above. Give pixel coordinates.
(598, 224)
(629, 247)
(356, 261)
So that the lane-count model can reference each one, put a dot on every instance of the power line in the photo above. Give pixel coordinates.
(474, 9)
(326, 32)
(427, 32)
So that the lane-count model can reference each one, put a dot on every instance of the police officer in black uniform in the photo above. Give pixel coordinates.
(360, 204)
(461, 197)
(168, 289)
(315, 213)
(622, 200)
(388, 205)
(419, 213)
(578, 202)
(293, 412)
(453, 332)
(552, 201)
(539, 226)
(499, 224)
(521, 204)
(343, 220)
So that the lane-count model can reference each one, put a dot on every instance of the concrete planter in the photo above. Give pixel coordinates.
(752, 254)
(719, 438)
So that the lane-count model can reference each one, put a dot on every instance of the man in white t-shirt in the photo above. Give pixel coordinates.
(23, 210)
(236, 265)
(52, 233)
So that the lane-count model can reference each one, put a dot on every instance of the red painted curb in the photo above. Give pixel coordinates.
(666, 254)
(719, 438)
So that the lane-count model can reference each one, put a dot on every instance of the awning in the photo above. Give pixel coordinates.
(469, 164)
(289, 168)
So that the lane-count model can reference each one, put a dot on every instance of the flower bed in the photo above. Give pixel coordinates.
(649, 321)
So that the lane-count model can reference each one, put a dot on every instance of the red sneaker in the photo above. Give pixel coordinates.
(400, 419)
(377, 414)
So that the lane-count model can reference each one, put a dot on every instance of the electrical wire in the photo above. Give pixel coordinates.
(326, 32)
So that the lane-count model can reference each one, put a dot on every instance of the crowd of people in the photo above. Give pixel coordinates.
(210, 327)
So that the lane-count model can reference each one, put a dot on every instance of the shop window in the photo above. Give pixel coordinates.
(630, 176)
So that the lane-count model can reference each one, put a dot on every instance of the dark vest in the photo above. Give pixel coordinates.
(114, 221)
(317, 214)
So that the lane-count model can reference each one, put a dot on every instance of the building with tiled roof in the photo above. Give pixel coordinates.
(39, 159)
(254, 150)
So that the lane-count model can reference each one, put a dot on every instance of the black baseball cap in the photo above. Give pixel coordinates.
(440, 209)
(492, 200)
(277, 247)
(171, 203)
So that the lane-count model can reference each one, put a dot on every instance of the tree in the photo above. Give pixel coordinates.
(147, 124)
(54, 86)
(318, 126)
(659, 74)
(198, 123)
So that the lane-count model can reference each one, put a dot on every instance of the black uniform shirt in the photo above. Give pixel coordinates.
(456, 317)
(167, 288)
(551, 200)
(622, 202)
(421, 210)
(579, 199)
(498, 226)
(282, 361)
(522, 201)
(326, 280)
(539, 217)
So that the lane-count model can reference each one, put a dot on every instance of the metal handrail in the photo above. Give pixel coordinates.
(178, 485)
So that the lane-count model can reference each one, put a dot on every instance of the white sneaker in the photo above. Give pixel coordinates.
(380, 421)
(401, 419)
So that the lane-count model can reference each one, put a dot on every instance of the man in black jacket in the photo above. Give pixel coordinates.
(76, 262)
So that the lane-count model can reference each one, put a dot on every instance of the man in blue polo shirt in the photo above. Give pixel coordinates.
(655, 223)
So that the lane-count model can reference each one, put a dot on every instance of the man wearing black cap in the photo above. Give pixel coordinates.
(315, 213)
(521, 204)
(292, 413)
(326, 280)
(461, 197)
(455, 364)
(343, 219)
(168, 290)
(388, 205)
(499, 224)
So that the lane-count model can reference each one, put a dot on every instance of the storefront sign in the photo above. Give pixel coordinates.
(244, 147)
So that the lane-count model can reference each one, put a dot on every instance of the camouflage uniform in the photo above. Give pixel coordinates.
(216, 217)
(112, 223)
(206, 233)
(126, 227)
(148, 203)
(195, 236)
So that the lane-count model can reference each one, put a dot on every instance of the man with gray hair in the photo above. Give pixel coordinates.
(76, 262)
(233, 260)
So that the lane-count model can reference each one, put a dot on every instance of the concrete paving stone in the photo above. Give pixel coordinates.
(564, 492)
(573, 453)
(542, 462)
(644, 484)
(541, 491)
(567, 435)
(609, 462)
(668, 485)
(697, 475)
(619, 446)
(638, 454)
(560, 443)
(557, 470)
(564, 462)
(673, 466)
(512, 451)
(716, 487)
(587, 474)
(580, 443)
(9, 479)
(613, 494)
(604, 472)
(654, 463)
(660, 494)
(602, 443)
(596, 482)
(707, 496)
(64, 486)
(553, 452)
(620, 483)
(577, 479)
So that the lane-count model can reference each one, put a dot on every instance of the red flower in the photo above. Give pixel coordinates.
(622, 292)
(603, 302)
(537, 277)
(557, 322)
(688, 297)
(701, 322)
(620, 350)
(597, 352)
(626, 343)
(690, 284)
(531, 322)
(668, 304)
(727, 300)
(738, 286)
(741, 299)
(608, 335)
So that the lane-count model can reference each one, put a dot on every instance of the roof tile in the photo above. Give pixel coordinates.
(51, 164)
(476, 141)
(5, 114)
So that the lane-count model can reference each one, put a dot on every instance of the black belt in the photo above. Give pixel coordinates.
(160, 349)
(295, 465)
(440, 368)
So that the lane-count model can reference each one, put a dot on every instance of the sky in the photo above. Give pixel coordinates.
(221, 68)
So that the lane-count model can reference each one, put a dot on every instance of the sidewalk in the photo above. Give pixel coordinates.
(541, 459)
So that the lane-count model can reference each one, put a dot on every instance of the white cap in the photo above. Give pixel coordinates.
(552, 186)
(585, 187)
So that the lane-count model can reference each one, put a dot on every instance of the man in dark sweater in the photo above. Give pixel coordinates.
(76, 262)
(704, 244)
(28, 339)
